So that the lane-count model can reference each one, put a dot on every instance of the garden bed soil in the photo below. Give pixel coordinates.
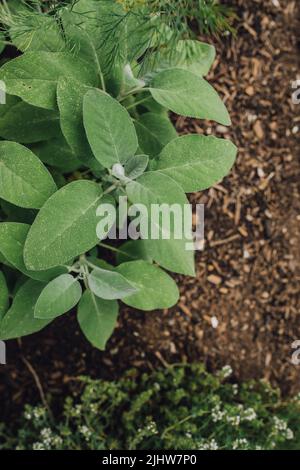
(243, 308)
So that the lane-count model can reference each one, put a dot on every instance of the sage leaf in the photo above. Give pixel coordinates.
(109, 128)
(65, 227)
(156, 289)
(57, 153)
(33, 76)
(154, 132)
(12, 240)
(136, 166)
(24, 180)
(4, 296)
(133, 250)
(167, 249)
(197, 162)
(188, 54)
(19, 320)
(70, 95)
(58, 297)
(109, 285)
(187, 94)
(19, 121)
(97, 318)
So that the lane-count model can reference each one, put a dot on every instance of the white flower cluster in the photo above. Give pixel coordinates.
(35, 413)
(94, 408)
(247, 414)
(226, 371)
(150, 428)
(48, 440)
(241, 444)
(85, 431)
(280, 427)
(217, 414)
(210, 444)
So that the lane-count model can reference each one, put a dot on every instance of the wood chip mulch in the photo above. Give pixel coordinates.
(243, 308)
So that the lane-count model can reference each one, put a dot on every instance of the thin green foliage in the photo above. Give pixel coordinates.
(182, 407)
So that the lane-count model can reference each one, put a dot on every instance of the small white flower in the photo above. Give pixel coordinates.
(234, 420)
(240, 444)
(249, 414)
(38, 446)
(27, 415)
(226, 371)
(85, 431)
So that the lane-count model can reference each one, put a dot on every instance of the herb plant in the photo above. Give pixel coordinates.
(182, 407)
(79, 129)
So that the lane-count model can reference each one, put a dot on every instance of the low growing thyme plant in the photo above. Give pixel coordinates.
(80, 129)
(182, 407)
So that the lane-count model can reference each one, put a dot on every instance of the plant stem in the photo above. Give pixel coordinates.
(116, 250)
(131, 92)
(133, 105)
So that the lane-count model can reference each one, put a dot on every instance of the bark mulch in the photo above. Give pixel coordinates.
(243, 308)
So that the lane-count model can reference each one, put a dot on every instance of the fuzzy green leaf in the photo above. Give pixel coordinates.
(12, 240)
(187, 94)
(156, 289)
(109, 285)
(196, 162)
(155, 188)
(24, 180)
(19, 121)
(97, 318)
(109, 128)
(154, 132)
(33, 76)
(65, 227)
(19, 320)
(133, 250)
(70, 95)
(57, 153)
(195, 56)
(58, 297)
(136, 166)
(4, 296)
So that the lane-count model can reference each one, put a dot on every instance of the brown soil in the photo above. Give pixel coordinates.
(249, 271)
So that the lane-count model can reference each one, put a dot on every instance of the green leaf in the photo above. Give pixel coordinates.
(65, 227)
(136, 166)
(70, 95)
(57, 153)
(196, 162)
(24, 180)
(33, 76)
(24, 123)
(109, 285)
(154, 188)
(195, 56)
(12, 240)
(157, 290)
(154, 132)
(109, 128)
(4, 296)
(187, 94)
(19, 320)
(97, 318)
(58, 297)
(133, 250)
